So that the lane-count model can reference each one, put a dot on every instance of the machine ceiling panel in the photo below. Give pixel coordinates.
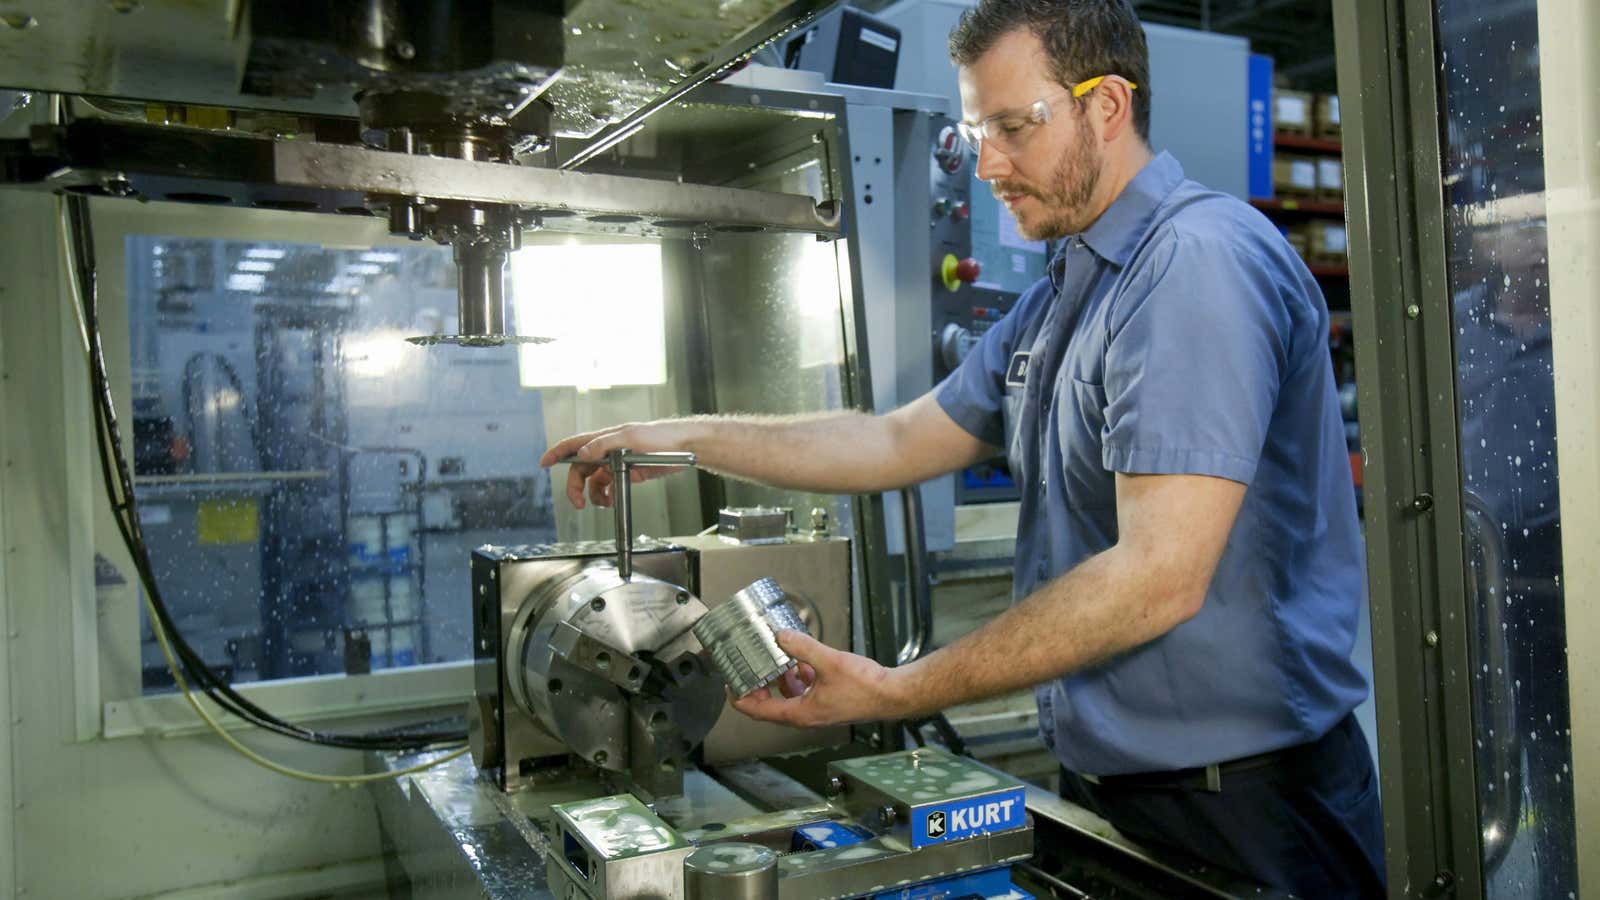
(618, 55)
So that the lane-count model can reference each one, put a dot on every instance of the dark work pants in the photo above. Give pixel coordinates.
(1308, 822)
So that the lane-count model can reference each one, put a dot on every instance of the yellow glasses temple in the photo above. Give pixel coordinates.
(1084, 87)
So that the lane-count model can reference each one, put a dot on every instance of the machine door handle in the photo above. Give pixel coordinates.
(1496, 703)
(919, 619)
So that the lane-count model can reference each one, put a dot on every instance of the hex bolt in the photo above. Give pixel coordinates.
(835, 786)
(405, 50)
(1413, 310)
(889, 815)
(1422, 503)
(598, 604)
(600, 757)
(682, 598)
(1431, 639)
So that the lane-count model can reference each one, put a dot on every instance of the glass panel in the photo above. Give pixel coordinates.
(311, 485)
(1495, 202)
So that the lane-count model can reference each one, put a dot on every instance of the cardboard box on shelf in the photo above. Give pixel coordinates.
(1327, 244)
(1294, 175)
(1327, 117)
(1292, 112)
(1330, 179)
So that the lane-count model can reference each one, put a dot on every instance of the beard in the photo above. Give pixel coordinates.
(1064, 201)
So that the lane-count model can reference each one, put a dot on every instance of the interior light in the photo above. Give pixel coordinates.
(603, 305)
(266, 253)
(376, 355)
(247, 281)
(363, 269)
(380, 256)
(255, 265)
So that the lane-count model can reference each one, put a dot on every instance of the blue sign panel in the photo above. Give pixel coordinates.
(937, 823)
(1259, 136)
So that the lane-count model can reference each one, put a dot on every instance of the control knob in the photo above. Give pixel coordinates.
(955, 342)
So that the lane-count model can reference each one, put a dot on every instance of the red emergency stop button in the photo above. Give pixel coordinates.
(961, 211)
(955, 272)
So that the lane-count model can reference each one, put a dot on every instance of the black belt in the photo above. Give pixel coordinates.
(1200, 778)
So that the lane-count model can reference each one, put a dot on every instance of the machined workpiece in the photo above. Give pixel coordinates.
(742, 636)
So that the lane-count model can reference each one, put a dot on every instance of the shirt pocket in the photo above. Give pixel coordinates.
(1080, 429)
(1011, 415)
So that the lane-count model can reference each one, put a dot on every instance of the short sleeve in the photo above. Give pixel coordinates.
(974, 394)
(1195, 356)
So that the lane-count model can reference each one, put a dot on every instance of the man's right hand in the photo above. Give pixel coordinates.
(589, 471)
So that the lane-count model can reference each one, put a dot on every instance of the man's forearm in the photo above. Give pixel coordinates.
(1110, 603)
(837, 452)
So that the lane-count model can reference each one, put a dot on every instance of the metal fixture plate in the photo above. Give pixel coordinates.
(108, 158)
(930, 797)
(550, 196)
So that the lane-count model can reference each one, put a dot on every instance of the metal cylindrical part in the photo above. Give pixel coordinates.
(731, 872)
(481, 287)
(742, 636)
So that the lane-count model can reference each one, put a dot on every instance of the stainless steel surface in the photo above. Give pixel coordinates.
(731, 872)
(817, 575)
(919, 591)
(552, 682)
(889, 791)
(551, 196)
(753, 524)
(452, 833)
(584, 694)
(622, 462)
(615, 848)
(511, 739)
(741, 636)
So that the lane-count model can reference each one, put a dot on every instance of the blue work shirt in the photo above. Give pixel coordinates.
(1181, 335)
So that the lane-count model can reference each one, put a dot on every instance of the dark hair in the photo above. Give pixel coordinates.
(1082, 38)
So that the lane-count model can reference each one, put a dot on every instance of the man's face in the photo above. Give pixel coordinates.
(1048, 182)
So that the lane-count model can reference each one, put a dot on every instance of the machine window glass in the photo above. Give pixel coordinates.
(312, 485)
(1497, 238)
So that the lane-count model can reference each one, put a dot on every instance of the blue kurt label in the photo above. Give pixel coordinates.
(965, 818)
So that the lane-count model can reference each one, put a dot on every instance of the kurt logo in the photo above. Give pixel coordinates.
(1017, 371)
(999, 811)
(985, 815)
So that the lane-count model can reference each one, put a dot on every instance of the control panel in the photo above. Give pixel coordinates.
(964, 304)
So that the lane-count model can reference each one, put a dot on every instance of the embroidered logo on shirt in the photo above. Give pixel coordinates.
(1017, 372)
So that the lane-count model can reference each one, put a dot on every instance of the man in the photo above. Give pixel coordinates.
(1189, 565)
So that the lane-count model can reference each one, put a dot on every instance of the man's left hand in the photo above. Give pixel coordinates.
(828, 687)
